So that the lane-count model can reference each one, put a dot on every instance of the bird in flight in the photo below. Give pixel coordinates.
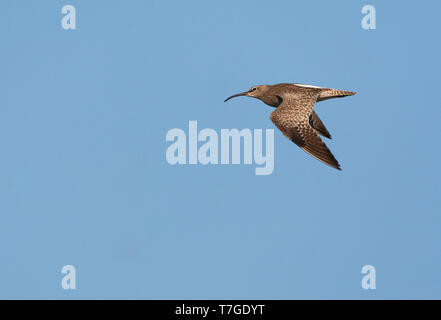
(295, 115)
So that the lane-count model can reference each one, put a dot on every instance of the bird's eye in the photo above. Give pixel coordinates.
(254, 89)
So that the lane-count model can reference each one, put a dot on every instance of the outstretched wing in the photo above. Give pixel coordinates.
(292, 117)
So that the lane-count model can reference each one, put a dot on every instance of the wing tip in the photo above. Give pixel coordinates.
(335, 165)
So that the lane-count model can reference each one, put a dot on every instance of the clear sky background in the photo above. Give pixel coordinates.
(84, 179)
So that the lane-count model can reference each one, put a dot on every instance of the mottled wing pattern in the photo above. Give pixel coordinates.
(292, 118)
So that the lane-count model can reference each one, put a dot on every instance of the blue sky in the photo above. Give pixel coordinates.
(83, 176)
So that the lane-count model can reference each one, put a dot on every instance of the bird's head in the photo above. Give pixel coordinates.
(254, 92)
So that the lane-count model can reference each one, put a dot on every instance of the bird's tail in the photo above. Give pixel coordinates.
(326, 94)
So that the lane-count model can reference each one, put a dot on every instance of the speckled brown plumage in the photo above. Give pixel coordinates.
(295, 117)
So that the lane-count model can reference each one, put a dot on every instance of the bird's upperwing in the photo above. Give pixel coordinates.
(292, 118)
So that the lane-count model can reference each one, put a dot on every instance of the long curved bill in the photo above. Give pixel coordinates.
(236, 95)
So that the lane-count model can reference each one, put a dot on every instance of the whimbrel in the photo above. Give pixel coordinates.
(295, 115)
